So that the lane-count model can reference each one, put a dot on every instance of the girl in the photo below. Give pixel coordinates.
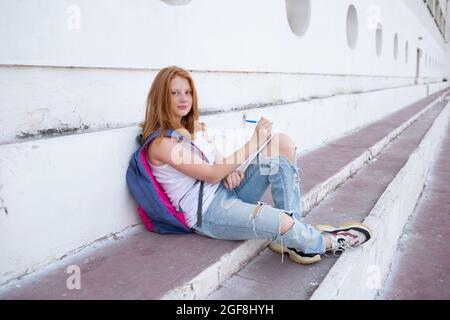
(231, 207)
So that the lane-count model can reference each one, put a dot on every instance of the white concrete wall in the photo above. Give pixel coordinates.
(57, 195)
(84, 68)
(232, 35)
(237, 62)
(89, 99)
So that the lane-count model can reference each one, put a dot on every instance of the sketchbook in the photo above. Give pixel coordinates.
(247, 162)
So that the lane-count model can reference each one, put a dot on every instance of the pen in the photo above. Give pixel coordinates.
(255, 121)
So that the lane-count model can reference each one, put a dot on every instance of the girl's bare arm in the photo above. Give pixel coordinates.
(190, 163)
(185, 160)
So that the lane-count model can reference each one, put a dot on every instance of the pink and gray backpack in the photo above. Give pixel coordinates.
(155, 209)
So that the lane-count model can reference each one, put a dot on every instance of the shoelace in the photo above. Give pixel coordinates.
(339, 246)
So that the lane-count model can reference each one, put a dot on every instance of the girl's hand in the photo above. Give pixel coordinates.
(262, 132)
(233, 180)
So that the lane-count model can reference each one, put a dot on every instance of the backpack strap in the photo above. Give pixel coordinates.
(170, 134)
(200, 205)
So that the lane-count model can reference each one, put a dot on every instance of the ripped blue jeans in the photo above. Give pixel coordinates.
(239, 215)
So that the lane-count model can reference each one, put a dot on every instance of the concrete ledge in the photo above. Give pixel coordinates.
(73, 105)
(360, 273)
(318, 193)
(210, 279)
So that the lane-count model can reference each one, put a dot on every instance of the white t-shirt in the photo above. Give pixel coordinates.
(180, 188)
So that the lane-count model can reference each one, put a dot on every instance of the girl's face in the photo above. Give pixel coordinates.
(180, 97)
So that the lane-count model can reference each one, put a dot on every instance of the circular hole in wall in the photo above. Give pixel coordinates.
(352, 27)
(395, 46)
(379, 39)
(406, 51)
(176, 2)
(298, 15)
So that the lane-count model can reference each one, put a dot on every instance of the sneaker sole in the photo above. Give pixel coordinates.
(346, 226)
(293, 255)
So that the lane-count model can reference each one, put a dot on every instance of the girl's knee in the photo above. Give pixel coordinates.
(286, 223)
(286, 146)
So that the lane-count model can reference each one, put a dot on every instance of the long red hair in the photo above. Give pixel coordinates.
(158, 112)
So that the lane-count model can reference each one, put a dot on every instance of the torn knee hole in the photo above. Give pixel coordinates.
(286, 224)
(257, 210)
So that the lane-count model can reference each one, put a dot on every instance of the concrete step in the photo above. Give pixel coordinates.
(421, 268)
(368, 196)
(136, 264)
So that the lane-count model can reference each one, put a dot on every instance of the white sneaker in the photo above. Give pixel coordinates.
(295, 255)
(345, 236)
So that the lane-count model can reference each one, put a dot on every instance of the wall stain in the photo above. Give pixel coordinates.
(3, 207)
(51, 132)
